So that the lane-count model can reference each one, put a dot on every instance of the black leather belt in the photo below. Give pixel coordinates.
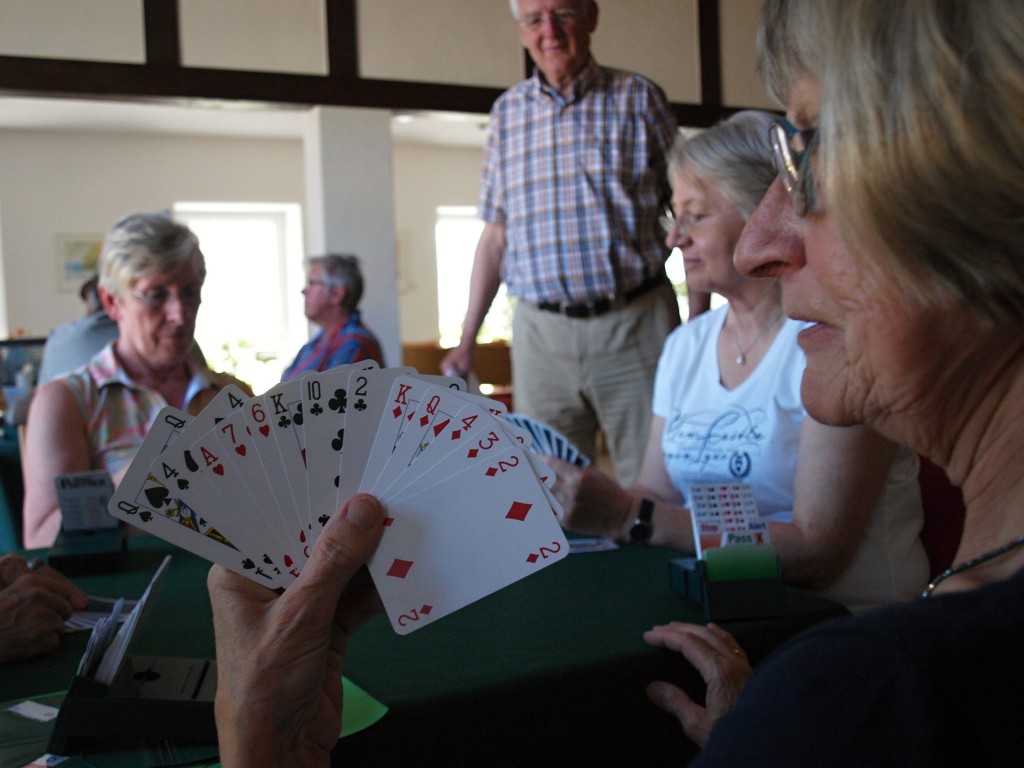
(602, 306)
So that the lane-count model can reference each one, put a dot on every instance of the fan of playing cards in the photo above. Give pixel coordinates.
(250, 482)
(546, 440)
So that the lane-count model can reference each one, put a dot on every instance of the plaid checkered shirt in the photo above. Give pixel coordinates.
(579, 185)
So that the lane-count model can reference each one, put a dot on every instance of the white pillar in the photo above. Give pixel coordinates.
(350, 207)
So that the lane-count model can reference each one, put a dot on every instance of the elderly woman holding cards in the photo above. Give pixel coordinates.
(842, 503)
(151, 275)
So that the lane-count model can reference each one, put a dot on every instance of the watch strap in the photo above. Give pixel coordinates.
(643, 526)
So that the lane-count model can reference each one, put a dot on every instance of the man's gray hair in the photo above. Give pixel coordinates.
(342, 269)
(514, 6)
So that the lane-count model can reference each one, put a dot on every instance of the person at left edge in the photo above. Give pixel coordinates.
(96, 417)
(35, 600)
(334, 286)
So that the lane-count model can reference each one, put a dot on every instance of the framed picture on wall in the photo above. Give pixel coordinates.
(77, 255)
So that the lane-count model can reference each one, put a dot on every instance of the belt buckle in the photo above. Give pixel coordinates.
(594, 308)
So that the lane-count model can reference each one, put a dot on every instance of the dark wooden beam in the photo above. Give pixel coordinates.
(163, 35)
(710, 46)
(342, 40)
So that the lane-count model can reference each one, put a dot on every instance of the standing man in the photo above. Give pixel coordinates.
(334, 286)
(573, 185)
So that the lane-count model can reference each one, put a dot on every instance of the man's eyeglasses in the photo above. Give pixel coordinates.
(156, 299)
(315, 283)
(791, 154)
(561, 17)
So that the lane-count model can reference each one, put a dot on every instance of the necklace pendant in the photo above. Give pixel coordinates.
(741, 359)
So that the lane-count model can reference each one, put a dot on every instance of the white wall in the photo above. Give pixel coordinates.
(55, 182)
(62, 182)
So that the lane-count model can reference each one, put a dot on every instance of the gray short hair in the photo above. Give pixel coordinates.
(143, 244)
(736, 154)
(514, 6)
(342, 269)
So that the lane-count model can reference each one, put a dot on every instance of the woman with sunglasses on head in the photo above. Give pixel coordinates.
(842, 504)
(909, 114)
(151, 275)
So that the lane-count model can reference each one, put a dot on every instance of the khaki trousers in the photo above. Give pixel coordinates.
(583, 374)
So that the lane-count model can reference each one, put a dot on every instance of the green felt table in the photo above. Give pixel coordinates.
(550, 669)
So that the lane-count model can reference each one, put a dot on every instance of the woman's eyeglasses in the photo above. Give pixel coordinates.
(791, 154)
(156, 299)
(683, 225)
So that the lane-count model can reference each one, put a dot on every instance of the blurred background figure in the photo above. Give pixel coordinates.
(73, 344)
(334, 287)
(151, 274)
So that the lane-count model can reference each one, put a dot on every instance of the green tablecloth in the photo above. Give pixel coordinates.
(549, 670)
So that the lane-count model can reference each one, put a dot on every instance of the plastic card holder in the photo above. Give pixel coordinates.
(733, 583)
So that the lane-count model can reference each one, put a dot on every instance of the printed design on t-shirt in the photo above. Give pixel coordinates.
(720, 443)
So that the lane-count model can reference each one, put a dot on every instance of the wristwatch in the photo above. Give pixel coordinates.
(642, 528)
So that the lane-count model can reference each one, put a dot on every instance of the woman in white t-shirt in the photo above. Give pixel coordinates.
(842, 504)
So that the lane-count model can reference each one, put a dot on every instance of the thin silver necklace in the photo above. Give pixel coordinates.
(991, 555)
(741, 356)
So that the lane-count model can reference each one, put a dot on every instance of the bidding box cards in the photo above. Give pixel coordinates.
(725, 513)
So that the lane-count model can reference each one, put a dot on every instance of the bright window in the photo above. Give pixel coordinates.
(677, 276)
(251, 322)
(456, 234)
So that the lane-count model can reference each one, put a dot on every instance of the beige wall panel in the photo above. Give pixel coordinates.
(99, 30)
(256, 35)
(657, 38)
(741, 87)
(60, 181)
(459, 42)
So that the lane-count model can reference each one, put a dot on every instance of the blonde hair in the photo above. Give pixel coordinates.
(791, 39)
(921, 128)
(921, 149)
